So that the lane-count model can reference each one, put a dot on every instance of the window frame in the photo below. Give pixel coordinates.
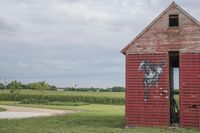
(173, 20)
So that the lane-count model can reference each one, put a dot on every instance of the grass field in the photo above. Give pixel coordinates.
(93, 118)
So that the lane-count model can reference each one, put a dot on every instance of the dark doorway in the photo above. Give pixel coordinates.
(174, 87)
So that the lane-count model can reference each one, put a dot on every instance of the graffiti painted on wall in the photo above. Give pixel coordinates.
(152, 73)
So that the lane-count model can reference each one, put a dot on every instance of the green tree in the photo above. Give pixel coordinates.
(2, 86)
(43, 85)
(15, 88)
(117, 89)
(52, 87)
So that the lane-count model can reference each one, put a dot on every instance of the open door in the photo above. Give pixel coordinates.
(174, 87)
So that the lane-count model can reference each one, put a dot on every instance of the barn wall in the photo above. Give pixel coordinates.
(160, 38)
(190, 90)
(155, 111)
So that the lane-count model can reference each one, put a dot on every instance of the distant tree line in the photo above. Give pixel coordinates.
(91, 89)
(42, 85)
(2, 86)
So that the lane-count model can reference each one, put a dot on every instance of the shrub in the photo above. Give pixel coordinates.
(34, 101)
(2, 109)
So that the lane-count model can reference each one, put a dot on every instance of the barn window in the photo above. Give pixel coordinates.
(173, 20)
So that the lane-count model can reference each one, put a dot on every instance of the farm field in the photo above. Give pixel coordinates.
(96, 118)
(65, 96)
(49, 92)
(99, 118)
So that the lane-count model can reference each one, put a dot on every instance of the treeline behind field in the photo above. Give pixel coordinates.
(91, 89)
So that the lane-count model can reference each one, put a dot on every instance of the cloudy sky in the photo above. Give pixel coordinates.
(73, 41)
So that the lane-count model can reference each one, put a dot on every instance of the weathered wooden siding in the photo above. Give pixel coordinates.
(190, 90)
(153, 44)
(160, 38)
(155, 111)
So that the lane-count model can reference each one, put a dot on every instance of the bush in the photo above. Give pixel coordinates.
(68, 103)
(46, 102)
(2, 109)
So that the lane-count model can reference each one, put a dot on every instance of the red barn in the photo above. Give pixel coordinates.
(166, 53)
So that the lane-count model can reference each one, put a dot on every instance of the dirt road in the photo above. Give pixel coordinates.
(14, 112)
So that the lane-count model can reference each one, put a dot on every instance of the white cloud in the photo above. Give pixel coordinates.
(73, 40)
(23, 65)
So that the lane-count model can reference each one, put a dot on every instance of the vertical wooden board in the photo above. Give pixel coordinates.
(139, 70)
(189, 90)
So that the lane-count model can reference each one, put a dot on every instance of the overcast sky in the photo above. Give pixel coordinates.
(73, 41)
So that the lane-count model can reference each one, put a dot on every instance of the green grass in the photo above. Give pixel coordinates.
(94, 118)
(176, 97)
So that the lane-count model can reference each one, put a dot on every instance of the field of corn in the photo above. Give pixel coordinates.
(115, 98)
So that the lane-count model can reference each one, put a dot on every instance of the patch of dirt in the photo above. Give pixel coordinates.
(14, 112)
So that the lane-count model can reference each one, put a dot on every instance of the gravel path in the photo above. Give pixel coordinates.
(14, 112)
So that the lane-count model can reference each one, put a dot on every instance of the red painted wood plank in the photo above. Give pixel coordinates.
(156, 110)
(190, 89)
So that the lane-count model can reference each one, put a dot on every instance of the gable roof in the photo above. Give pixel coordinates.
(173, 4)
